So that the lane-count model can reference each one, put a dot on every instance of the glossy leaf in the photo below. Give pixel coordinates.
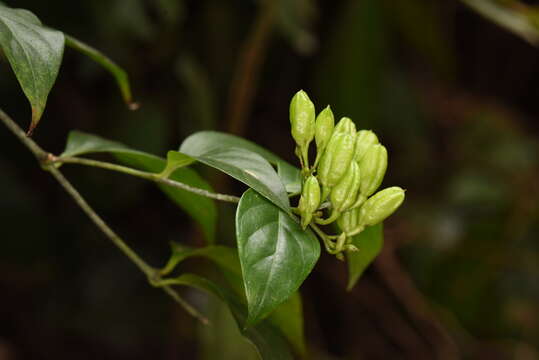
(288, 317)
(119, 74)
(240, 163)
(268, 341)
(201, 209)
(35, 54)
(276, 255)
(288, 173)
(369, 242)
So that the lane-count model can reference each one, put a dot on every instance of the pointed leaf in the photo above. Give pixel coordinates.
(35, 54)
(369, 242)
(288, 173)
(276, 255)
(201, 209)
(242, 164)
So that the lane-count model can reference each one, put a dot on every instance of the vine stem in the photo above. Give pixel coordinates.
(44, 159)
(157, 178)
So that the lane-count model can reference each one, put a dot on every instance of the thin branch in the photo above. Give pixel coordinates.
(45, 160)
(243, 88)
(157, 178)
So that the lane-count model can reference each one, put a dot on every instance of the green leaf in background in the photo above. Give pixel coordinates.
(35, 54)
(369, 242)
(203, 210)
(240, 163)
(276, 255)
(288, 317)
(268, 341)
(119, 74)
(513, 15)
(290, 175)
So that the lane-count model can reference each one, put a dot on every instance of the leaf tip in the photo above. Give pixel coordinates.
(36, 116)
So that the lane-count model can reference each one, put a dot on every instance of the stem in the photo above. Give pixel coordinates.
(122, 79)
(45, 161)
(157, 178)
(325, 238)
(334, 216)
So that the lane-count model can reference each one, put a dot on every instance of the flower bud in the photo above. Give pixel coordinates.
(349, 220)
(335, 161)
(323, 129)
(302, 119)
(344, 194)
(382, 204)
(346, 125)
(373, 167)
(365, 138)
(309, 200)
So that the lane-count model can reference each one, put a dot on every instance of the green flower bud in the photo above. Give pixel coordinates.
(335, 161)
(365, 138)
(373, 167)
(344, 194)
(309, 200)
(349, 220)
(346, 125)
(382, 204)
(302, 119)
(323, 129)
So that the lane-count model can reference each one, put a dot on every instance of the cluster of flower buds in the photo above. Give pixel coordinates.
(348, 169)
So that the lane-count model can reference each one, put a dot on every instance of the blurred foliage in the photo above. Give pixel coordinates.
(454, 98)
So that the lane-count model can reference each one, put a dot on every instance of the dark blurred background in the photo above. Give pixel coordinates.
(452, 95)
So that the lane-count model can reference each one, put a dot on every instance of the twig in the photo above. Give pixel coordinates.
(247, 69)
(157, 178)
(45, 161)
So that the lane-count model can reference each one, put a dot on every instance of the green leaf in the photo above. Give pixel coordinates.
(240, 163)
(224, 256)
(176, 160)
(119, 74)
(276, 255)
(35, 54)
(268, 341)
(288, 173)
(288, 317)
(369, 242)
(203, 210)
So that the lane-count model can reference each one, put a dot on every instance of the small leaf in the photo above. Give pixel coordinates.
(240, 163)
(268, 341)
(369, 242)
(119, 74)
(201, 209)
(176, 160)
(276, 255)
(35, 54)
(225, 257)
(288, 173)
